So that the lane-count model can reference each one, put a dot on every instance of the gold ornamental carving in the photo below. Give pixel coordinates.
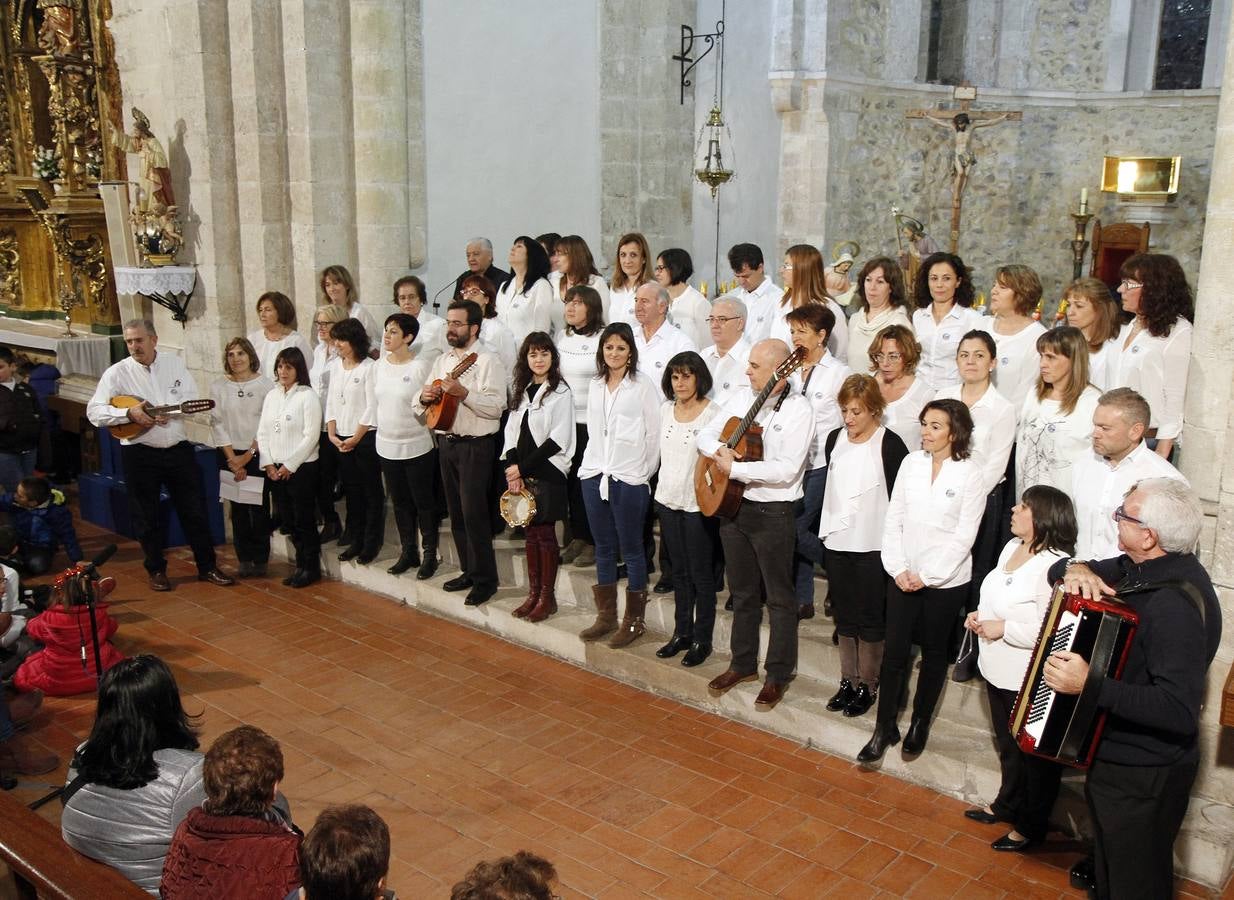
(10, 269)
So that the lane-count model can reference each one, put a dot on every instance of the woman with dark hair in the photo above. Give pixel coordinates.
(894, 356)
(631, 268)
(944, 294)
(687, 309)
(577, 348)
(339, 288)
(690, 538)
(233, 425)
(1056, 421)
(525, 302)
(404, 445)
(881, 302)
(351, 420)
(803, 274)
(325, 352)
(1015, 596)
(623, 419)
(1154, 348)
(932, 519)
(539, 442)
(287, 438)
(138, 774)
(863, 458)
(1091, 309)
(1013, 299)
(548, 241)
(410, 298)
(277, 315)
(578, 269)
(495, 333)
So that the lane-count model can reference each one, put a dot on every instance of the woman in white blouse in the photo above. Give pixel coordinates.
(539, 443)
(525, 302)
(804, 277)
(893, 359)
(578, 268)
(881, 301)
(324, 353)
(351, 419)
(494, 333)
(1015, 596)
(405, 446)
(1154, 349)
(577, 350)
(1056, 421)
(687, 309)
(623, 420)
(631, 268)
(233, 424)
(863, 459)
(1091, 309)
(287, 440)
(339, 288)
(1013, 299)
(690, 536)
(928, 535)
(277, 316)
(944, 296)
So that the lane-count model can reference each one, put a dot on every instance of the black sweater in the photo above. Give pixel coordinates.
(1154, 709)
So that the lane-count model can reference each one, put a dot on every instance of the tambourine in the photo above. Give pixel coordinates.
(518, 508)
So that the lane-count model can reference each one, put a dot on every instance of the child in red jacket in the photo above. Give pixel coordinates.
(65, 665)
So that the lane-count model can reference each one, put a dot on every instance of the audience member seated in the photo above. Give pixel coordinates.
(136, 777)
(240, 842)
(346, 856)
(523, 876)
(18, 754)
(17, 607)
(66, 664)
(43, 522)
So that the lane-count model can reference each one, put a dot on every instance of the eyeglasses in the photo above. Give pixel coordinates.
(321, 324)
(887, 357)
(721, 320)
(472, 291)
(1120, 515)
(785, 266)
(1128, 285)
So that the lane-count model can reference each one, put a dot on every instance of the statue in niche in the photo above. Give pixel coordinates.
(154, 193)
(915, 245)
(58, 33)
(963, 158)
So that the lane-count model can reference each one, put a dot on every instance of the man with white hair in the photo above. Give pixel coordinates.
(1140, 781)
(480, 262)
(729, 355)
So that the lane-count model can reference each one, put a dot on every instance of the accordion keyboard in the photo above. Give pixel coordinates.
(1043, 697)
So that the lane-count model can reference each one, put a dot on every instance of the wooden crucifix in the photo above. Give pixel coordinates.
(962, 121)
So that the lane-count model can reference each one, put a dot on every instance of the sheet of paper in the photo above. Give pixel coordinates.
(248, 491)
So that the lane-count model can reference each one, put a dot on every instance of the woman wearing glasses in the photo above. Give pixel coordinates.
(893, 360)
(687, 309)
(324, 353)
(494, 332)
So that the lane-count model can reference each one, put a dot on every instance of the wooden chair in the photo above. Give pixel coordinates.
(1113, 245)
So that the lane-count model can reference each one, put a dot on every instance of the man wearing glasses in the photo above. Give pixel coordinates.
(728, 357)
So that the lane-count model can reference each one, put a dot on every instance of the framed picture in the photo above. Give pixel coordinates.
(1141, 176)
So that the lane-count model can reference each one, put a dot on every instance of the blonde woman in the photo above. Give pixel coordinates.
(1013, 298)
(339, 288)
(1091, 309)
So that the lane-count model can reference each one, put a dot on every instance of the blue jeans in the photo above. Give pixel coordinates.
(809, 548)
(16, 466)
(617, 523)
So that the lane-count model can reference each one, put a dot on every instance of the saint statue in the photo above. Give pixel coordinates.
(912, 232)
(57, 35)
(154, 193)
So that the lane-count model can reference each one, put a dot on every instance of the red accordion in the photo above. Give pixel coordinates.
(1067, 727)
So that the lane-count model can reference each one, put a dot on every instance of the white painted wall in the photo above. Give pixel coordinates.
(512, 126)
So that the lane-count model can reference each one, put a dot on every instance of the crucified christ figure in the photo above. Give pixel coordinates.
(963, 158)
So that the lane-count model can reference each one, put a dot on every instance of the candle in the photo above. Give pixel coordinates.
(1083, 200)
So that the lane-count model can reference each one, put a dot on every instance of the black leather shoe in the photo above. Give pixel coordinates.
(405, 561)
(842, 697)
(349, 554)
(428, 568)
(884, 736)
(1083, 875)
(1008, 844)
(217, 577)
(696, 655)
(461, 583)
(675, 645)
(863, 699)
(365, 558)
(663, 586)
(292, 577)
(479, 595)
(806, 611)
(330, 531)
(918, 734)
(304, 578)
(980, 815)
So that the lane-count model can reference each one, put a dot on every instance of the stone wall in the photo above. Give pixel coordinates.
(1066, 49)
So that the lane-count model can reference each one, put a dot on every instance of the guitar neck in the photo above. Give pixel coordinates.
(174, 409)
(749, 417)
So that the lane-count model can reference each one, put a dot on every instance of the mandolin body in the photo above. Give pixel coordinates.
(440, 416)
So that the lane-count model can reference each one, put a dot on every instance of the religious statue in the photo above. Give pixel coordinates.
(911, 232)
(963, 158)
(835, 277)
(154, 193)
(58, 34)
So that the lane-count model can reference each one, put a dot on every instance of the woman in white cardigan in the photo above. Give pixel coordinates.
(1015, 596)
(525, 302)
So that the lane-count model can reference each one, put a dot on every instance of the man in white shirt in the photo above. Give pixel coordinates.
(758, 292)
(467, 451)
(656, 339)
(1120, 458)
(160, 457)
(759, 540)
(430, 341)
(728, 357)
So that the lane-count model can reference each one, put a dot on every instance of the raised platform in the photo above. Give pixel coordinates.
(960, 760)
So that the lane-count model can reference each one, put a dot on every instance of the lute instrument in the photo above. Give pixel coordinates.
(717, 494)
(129, 430)
(439, 415)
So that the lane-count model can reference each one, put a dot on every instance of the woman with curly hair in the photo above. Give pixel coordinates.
(1154, 349)
(1013, 299)
(881, 302)
(944, 294)
(893, 357)
(802, 273)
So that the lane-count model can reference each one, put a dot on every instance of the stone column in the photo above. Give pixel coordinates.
(417, 170)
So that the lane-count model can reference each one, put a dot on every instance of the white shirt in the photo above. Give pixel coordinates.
(480, 410)
(357, 311)
(728, 372)
(1020, 599)
(931, 526)
(621, 307)
(1101, 365)
(993, 431)
(762, 309)
(825, 380)
(430, 341)
(578, 368)
(237, 410)
(689, 313)
(862, 330)
(400, 433)
(319, 373)
(1019, 363)
(268, 351)
(856, 499)
(1156, 368)
(1048, 442)
(10, 605)
(497, 338)
(550, 416)
(903, 416)
(1098, 488)
(837, 341)
(290, 427)
(351, 400)
(165, 382)
(524, 312)
(622, 430)
(788, 434)
(939, 342)
(654, 354)
(559, 303)
(679, 456)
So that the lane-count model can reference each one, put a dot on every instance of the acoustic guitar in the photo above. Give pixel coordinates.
(439, 416)
(717, 494)
(128, 430)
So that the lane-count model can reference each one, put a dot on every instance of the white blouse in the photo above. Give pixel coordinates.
(578, 368)
(559, 303)
(1156, 368)
(837, 341)
(290, 427)
(762, 309)
(497, 338)
(679, 456)
(357, 311)
(430, 341)
(903, 416)
(940, 341)
(993, 431)
(237, 411)
(549, 416)
(319, 370)
(1101, 365)
(1020, 599)
(824, 383)
(862, 330)
(268, 350)
(1048, 442)
(689, 313)
(728, 372)
(622, 426)
(1019, 363)
(621, 307)
(856, 499)
(525, 312)
(400, 433)
(351, 400)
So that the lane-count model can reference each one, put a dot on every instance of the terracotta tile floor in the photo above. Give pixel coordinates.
(472, 748)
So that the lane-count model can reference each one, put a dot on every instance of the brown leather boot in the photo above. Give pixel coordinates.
(20, 756)
(606, 612)
(533, 574)
(547, 604)
(632, 626)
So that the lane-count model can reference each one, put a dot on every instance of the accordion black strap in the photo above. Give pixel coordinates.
(1186, 588)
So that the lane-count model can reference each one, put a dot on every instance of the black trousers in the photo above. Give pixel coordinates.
(327, 478)
(926, 617)
(250, 524)
(1136, 813)
(366, 500)
(1030, 783)
(466, 469)
(35, 559)
(580, 529)
(694, 588)
(758, 552)
(857, 588)
(147, 470)
(297, 499)
(409, 482)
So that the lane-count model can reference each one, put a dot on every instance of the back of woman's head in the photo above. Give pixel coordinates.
(240, 772)
(139, 712)
(523, 876)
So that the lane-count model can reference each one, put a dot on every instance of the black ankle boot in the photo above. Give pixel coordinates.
(843, 697)
(918, 734)
(863, 699)
(675, 645)
(884, 736)
(408, 559)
